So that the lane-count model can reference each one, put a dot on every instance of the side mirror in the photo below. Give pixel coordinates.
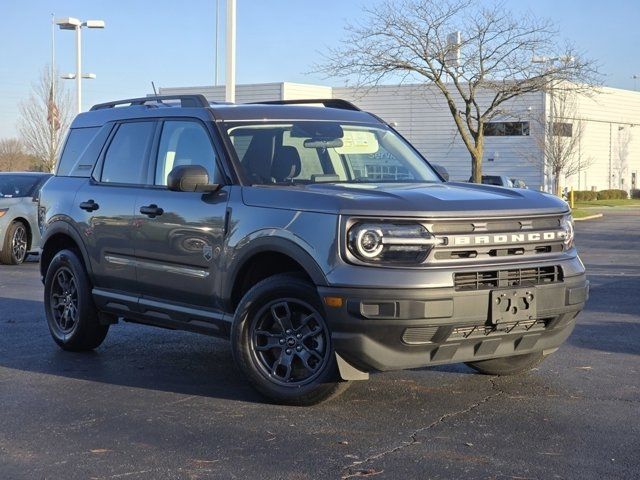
(441, 170)
(190, 178)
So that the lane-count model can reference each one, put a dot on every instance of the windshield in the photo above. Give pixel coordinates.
(303, 152)
(17, 185)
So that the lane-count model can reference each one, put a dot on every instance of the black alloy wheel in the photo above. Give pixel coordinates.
(71, 313)
(281, 342)
(64, 301)
(290, 342)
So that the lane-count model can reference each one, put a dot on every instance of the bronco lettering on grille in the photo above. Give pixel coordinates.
(506, 238)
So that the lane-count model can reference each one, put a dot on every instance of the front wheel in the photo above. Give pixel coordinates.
(281, 342)
(513, 365)
(71, 313)
(16, 242)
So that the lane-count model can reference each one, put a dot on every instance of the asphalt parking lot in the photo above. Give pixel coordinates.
(155, 404)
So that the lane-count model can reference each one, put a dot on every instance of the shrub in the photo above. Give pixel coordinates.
(584, 195)
(612, 195)
(635, 193)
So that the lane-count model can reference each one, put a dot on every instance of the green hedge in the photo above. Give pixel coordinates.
(584, 195)
(635, 193)
(612, 195)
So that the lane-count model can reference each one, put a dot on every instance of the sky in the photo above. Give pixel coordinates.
(173, 42)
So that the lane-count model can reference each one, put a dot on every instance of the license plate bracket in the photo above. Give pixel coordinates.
(513, 305)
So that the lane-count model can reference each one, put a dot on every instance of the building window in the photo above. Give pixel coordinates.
(561, 129)
(506, 129)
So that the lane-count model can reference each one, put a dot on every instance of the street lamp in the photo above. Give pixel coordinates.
(71, 23)
(72, 76)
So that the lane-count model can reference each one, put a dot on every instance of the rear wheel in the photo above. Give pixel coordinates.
(71, 313)
(16, 244)
(281, 342)
(513, 365)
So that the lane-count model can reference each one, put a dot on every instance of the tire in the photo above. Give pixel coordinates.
(71, 313)
(281, 343)
(16, 244)
(514, 365)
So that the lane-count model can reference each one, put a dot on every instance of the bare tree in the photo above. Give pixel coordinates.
(13, 156)
(492, 55)
(44, 119)
(621, 159)
(558, 149)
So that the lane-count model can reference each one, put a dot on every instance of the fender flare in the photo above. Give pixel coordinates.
(65, 228)
(271, 244)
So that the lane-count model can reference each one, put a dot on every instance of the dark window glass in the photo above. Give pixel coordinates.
(77, 142)
(303, 152)
(506, 129)
(125, 159)
(562, 129)
(184, 143)
(491, 180)
(12, 186)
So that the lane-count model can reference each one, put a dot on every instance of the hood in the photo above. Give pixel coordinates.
(405, 199)
(6, 202)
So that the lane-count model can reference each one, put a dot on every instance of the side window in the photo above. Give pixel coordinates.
(184, 143)
(77, 142)
(124, 161)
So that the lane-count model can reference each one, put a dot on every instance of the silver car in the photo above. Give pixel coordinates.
(19, 233)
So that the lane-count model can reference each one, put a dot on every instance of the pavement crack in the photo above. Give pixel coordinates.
(356, 468)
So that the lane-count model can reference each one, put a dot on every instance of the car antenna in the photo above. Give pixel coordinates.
(155, 92)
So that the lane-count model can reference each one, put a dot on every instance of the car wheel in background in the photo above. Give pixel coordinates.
(71, 313)
(513, 365)
(16, 244)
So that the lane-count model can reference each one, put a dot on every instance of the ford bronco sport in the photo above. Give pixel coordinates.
(309, 233)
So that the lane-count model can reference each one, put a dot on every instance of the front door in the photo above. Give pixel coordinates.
(179, 235)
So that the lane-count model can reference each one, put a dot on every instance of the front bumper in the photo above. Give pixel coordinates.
(392, 329)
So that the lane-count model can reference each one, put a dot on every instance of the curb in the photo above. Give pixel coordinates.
(590, 217)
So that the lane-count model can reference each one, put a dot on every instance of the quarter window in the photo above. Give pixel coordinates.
(77, 142)
(124, 161)
(184, 143)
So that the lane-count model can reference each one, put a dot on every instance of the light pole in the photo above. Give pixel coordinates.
(71, 23)
(230, 87)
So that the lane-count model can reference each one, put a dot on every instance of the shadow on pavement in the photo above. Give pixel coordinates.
(614, 337)
(131, 355)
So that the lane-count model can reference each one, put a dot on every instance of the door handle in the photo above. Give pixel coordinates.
(89, 206)
(151, 211)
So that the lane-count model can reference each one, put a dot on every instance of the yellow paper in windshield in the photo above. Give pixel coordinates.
(358, 142)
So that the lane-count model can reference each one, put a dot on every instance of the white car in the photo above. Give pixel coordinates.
(19, 232)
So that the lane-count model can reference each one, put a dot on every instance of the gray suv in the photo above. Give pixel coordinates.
(309, 233)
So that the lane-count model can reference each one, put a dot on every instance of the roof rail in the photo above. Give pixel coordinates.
(326, 102)
(185, 101)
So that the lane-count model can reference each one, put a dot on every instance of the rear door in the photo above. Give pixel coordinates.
(105, 205)
(179, 235)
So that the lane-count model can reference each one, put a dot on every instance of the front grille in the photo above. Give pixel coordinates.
(491, 225)
(467, 241)
(419, 335)
(516, 277)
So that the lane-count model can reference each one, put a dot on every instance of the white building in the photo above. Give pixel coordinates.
(609, 147)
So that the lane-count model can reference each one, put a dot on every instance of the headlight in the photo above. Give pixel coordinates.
(567, 226)
(390, 243)
(3, 211)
